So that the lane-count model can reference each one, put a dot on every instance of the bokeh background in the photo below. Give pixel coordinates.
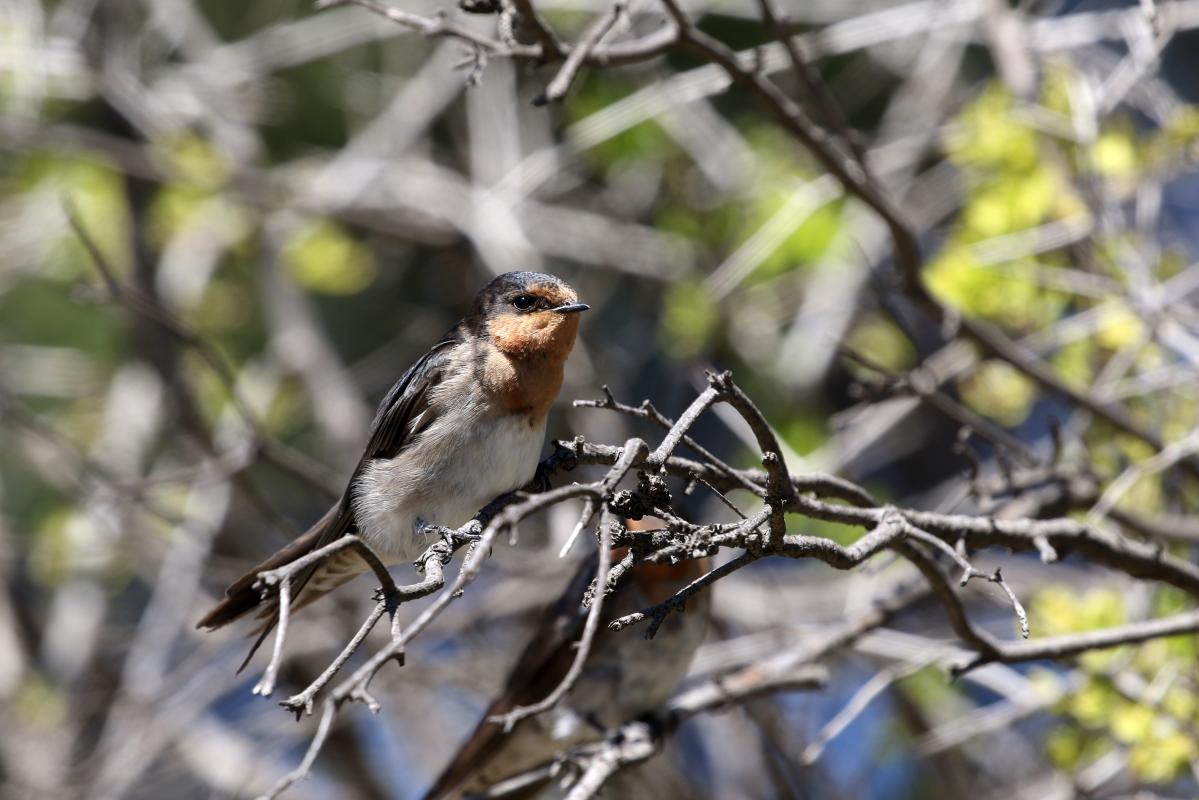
(317, 194)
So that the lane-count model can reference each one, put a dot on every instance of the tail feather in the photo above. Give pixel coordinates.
(243, 598)
(311, 586)
(262, 634)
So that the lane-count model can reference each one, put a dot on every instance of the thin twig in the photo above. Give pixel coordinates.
(301, 703)
(676, 433)
(579, 53)
(658, 613)
(582, 649)
(861, 699)
(816, 88)
(266, 686)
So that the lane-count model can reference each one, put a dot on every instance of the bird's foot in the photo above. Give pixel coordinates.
(449, 539)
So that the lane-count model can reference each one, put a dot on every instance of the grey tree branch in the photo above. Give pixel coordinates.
(1069, 645)
(816, 88)
(579, 53)
(635, 742)
(551, 47)
(548, 48)
(582, 648)
(657, 614)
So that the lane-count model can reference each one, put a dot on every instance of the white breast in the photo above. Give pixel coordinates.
(455, 467)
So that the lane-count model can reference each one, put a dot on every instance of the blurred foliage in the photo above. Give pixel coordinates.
(94, 188)
(324, 258)
(1020, 174)
(1009, 188)
(644, 143)
(886, 344)
(689, 319)
(1141, 699)
(692, 320)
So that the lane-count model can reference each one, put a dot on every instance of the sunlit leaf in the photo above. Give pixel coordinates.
(1000, 391)
(1114, 155)
(171, 209)
(1064, 747)
(1130, 721)
(193, 160)
(879, 340)
(323, 258)
(94, 190)
(988, 135)
(1093, 704)
(1160, 758)
(1074, 363)
(689, 318)
(1118, 326)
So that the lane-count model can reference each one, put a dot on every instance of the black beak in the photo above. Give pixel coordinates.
(573, 308)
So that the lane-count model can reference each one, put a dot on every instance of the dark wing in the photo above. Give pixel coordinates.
(541, 667)
(404, 412)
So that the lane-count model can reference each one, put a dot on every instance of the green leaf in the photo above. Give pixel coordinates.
(193, 160)
(1114, 155)
(1093, 704)
(1161, 758)
(1131, 722)
(1000, 391)
(95, 191)
(689, 319)
(1064, 747)
(324, 258)
(988, 135)
(879, 340)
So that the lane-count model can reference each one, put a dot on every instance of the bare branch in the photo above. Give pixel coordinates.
(586, 45)
(1068, 645)
(816, 89)
(583, 647)
(857, 704)
(657, 614)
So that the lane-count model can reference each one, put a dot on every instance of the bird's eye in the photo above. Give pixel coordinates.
(524, 301)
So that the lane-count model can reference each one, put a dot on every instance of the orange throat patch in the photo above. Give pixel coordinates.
(524, 365)
(544, 335)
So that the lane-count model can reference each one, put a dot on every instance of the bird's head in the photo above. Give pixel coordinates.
(529, 314)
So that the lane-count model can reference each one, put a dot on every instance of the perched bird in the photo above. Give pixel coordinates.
(465, 424)
(624, 677)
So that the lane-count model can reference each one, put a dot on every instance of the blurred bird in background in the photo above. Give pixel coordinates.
(626, 676)
(465, 424)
